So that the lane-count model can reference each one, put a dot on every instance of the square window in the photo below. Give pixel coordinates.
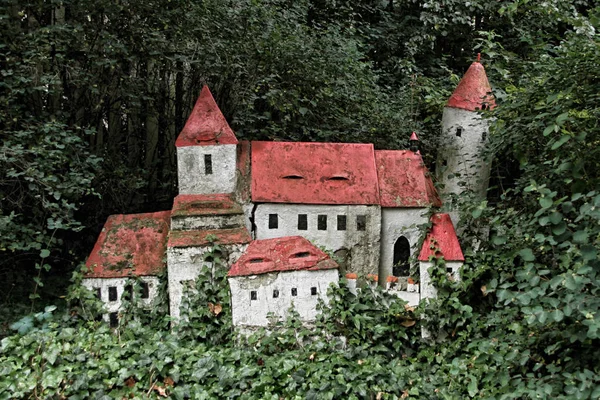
(99, 293)
(302, 222)
(145, 290)
(449, 270)
(313, 291)
(341, 222)
(208, 168)
(253, 295)
(273, 221)
(112, 293)
(361, 222)
(113, 318)
(322, 222)
(275, 293)
(294, 291)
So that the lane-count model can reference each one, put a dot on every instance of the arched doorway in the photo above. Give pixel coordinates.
(401, 265)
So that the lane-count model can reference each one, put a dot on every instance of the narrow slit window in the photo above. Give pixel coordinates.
(444, 163)
(275, 293)
(113, 318)
(112, 293)
(208, 167)
(459, 131)
(99, 293)
(302, 222)
(322, 222)
(313, 291)
(484, 136)
(273, 221)
(253, 295)
(145, 290)
(361, 222)
(341, 222)
(294, 291)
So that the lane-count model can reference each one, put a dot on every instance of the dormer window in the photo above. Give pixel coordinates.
(208, 168)
(459, 131)
(302, 254)
(292, 177)
(338, 178)
(256, 260)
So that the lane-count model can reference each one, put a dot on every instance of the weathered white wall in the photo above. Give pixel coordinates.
(363, 246)
(427, 288)
(412, 296)
(397, 222)
(208, 222)
(462, 154)
(113, 306)
(190, 169)
(254, 312)
(184, 264)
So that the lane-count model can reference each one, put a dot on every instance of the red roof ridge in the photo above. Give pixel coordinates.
(206, 124)
(441, 241)
(473, 91)
(284, 254)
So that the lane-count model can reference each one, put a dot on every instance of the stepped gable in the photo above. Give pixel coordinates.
(200, 238)
(206, 125)
(205, 204)
(314, 173)
(130, 245)
(404, 181)
(473, 91)
(441, 241)
(291, 253)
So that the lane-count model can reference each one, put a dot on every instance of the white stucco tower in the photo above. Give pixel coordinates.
(460, 165)
(206, 150)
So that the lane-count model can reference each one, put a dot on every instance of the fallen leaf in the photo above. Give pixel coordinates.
(379, 396)
(311, 357)
(215, 309)
(484, 290)
(409, 308)
(361, 362)
(130, 382)
(161, 391)
(404, 394)
(408, 323)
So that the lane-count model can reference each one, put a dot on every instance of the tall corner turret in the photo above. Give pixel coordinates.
(206, 150)
(460, 164)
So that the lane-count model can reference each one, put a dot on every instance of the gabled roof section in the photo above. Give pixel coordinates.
(205, 204)
(314, 173)
(473, 91)
(291, 253)
(441, 241)
(206, 125)
(130, 245)
(200, 238)
(404, 181)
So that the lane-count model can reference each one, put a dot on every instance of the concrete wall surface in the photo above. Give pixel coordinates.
(427, 288)
(191, 171)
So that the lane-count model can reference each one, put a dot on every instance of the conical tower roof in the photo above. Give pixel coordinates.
(206, 125)
(473, 91)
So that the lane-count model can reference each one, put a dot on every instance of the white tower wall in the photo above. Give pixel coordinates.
(196, 178)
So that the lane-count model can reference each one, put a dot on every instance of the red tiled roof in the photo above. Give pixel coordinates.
(206, 124)
(473, 91)
(314, 173)
(292, 253)
(130, 245)
(205, 204)
(441, 241)
(199, 238)
(404, 180)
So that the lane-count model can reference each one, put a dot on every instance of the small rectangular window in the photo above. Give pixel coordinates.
(253, 295)
(145, 290)
(322, 222)
(449, 270)
(273, 221)
(361, 222)
(459, 131)
(294, 291)
(208, 170)
(129, 291)
(313, 291)
(113, 318)
(341, 222)
(275, 293)
(99, 293)
(302, 222)
(112, 293)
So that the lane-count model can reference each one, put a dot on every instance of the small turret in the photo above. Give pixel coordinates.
(460, 165)
(206, 150)
(414, 142)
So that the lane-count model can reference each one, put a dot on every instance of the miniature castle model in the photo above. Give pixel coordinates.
(271, 206)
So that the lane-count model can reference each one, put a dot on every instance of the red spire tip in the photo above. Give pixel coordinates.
(414, 136)
(478, 57)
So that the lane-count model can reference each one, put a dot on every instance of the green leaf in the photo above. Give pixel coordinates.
(564, 139)
(44, 253)
(546, 202)
(527, 254)
(589, 252)
(557, 315)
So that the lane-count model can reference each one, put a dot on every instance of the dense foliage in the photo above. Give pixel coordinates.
(94, 93)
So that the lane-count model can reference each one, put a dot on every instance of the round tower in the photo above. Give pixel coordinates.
(460, 164)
